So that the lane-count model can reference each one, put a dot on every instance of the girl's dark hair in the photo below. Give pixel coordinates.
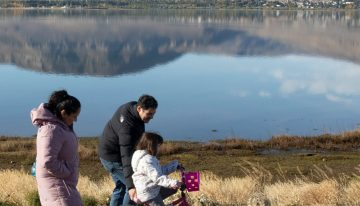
(61, 100)
(149, 142)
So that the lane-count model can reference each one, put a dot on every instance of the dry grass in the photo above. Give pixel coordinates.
(352, 193)
(214, 190)
(330, 178)
(15, 186)
(301, 192)
(15, 144)
(88, 152)
(88, 146)
(233, 143)
(100, 190)
(222, 157)
(343, 141)
(225, 191)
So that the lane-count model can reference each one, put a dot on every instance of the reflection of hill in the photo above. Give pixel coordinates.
(78, 49)
(329, 34)
(126, 44)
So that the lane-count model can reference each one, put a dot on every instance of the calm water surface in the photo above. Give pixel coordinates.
(216, 74)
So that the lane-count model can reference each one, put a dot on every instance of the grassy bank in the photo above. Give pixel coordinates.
(284, 170)
(214, 190)
(225, 158)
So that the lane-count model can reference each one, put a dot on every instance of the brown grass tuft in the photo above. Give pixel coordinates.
(173, 147)
(88, 153)
(352, 192)
(300, 192)
(17, 144)
(16, 185)
(229, 190)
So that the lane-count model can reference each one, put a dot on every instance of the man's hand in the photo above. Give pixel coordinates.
(180, 167)
(132, 194)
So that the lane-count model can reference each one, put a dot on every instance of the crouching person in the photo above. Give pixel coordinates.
(150, 178)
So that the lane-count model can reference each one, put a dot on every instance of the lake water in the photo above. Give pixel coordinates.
(216, 74)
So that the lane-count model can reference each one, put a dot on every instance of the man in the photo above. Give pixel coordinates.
(118, 142)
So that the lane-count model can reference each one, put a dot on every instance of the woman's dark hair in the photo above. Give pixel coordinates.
(149, 141)
(61, 100)
(147, 102)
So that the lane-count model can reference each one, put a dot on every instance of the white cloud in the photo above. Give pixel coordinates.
(334, 98)
(289, 86)
(241, 94)
(319, 87)
(278, 74)
(264, 94)
(336, 81)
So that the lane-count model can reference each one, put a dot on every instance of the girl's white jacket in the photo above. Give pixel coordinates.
(149, 175)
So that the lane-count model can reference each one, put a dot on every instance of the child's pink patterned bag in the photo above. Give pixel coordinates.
(191, 180)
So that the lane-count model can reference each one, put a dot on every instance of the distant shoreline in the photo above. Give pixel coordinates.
(345, 141)
(191, 4)
(173, 9)
(222, 157)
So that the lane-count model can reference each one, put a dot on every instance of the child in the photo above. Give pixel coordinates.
(150, 178)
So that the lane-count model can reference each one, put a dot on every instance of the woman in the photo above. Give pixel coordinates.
(57, 160)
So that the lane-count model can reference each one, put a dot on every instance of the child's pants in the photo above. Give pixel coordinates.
(163, 194)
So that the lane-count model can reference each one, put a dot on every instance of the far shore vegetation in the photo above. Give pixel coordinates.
(184, 4)
(284, 170)
(223, 157)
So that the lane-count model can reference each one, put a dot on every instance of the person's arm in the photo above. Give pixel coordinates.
(127, 150)
(48, 148)
(170, 167)
(153, 171)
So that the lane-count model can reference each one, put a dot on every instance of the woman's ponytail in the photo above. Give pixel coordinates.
(61, 100)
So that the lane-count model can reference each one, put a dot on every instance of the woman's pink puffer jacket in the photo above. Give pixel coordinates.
(57, 160)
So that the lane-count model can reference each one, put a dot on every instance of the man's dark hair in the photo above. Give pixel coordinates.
(149, 141)
(147, 102)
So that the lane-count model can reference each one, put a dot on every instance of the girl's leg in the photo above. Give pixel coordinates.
(166, 192)
(157, 201)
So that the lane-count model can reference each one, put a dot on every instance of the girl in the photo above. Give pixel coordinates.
(150, 178)
(57, 161)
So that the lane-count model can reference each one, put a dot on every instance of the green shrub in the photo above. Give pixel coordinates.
(7, 204)
(33, 199)
(89, 201)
